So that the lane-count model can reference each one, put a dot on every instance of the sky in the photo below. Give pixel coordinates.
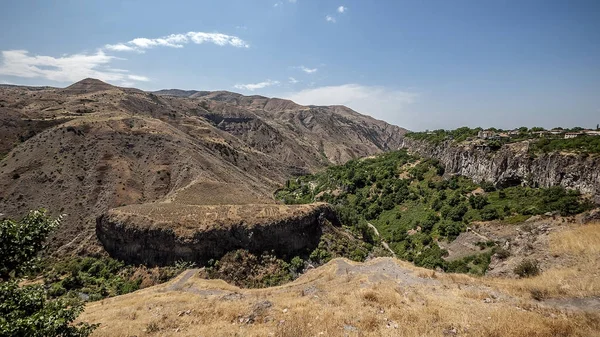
(422, 64)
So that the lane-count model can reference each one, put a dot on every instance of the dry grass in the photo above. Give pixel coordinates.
(189, 219)
(580, 278)
(326, 302)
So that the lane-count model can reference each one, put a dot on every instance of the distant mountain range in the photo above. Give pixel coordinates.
(84, 149)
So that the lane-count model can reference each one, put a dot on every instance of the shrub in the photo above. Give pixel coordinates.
(489, 213)
(488, 187)
(527, 268)
(501, 253)
(296, 264)
(539, 294)
(478, 201)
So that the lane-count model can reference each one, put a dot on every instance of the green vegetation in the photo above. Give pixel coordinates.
(541, 143)
(246, 269)
(89, 278)
(438, 136)
(582, 144)
(413, 206)
(28, 310)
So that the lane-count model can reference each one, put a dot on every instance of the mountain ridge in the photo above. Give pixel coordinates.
(90, 147)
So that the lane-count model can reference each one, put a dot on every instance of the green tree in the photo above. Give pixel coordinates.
(478, 201)
(26, 310)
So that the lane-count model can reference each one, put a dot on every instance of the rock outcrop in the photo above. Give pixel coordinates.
(512, 164)
(163, 233)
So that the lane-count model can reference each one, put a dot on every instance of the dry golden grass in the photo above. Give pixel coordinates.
(327, 302)
(189, 219)
(580, 278)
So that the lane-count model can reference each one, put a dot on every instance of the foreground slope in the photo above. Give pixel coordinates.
(382, 297)
(91, 147)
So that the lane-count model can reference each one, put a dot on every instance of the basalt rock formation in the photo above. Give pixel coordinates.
(163, 233)
(512, 164)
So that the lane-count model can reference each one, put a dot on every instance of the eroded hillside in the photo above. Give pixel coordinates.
(90, 147)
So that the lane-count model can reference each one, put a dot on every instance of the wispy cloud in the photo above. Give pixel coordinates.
(293, 80)
(67, 68)
(342, 9)
(380, 102)
(254, 86)
(140, 44)
(330, 18)
(277, 4)
(308, 70)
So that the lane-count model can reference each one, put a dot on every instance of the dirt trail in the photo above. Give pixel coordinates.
(383, 243)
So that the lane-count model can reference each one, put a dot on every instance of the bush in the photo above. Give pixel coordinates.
(527, 268)
(488, 187)
(478, 201)
(297, 264)
(489, 213)
(26, 310)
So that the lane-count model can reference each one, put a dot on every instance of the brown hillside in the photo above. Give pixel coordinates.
(91, 146)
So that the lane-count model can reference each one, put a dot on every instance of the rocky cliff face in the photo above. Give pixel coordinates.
(160, 235)
(512, 165)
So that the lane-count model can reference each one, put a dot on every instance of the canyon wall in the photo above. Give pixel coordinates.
(130, 235)
(512, 164)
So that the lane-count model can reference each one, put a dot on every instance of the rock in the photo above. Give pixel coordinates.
(185, 232)
(593, 215)
(513, 165)
(451, 332)
(348, 327)
(232, 297)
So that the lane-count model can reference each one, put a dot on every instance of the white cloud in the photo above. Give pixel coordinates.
(119, 47)
(308, 70)
(67, 68)
(379, 102)
(293, 80)
(138, 78)
(342, 9)
(277, 4)
(178, 41)
(254, 86)
(330, 18)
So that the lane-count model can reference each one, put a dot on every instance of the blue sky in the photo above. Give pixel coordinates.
(418, 64)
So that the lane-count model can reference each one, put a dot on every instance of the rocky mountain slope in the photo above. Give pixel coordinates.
(512, 164)
(90, 147)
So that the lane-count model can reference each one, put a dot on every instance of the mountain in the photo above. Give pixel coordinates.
(90, 147)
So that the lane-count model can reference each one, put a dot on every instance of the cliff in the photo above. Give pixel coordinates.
(161, 234)
(512, 164)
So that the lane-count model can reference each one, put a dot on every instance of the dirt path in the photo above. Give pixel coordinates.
(383, 243)
(178, 285)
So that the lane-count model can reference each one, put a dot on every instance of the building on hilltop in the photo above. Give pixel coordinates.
(570, 135)
(556, 131)
(487, 134)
